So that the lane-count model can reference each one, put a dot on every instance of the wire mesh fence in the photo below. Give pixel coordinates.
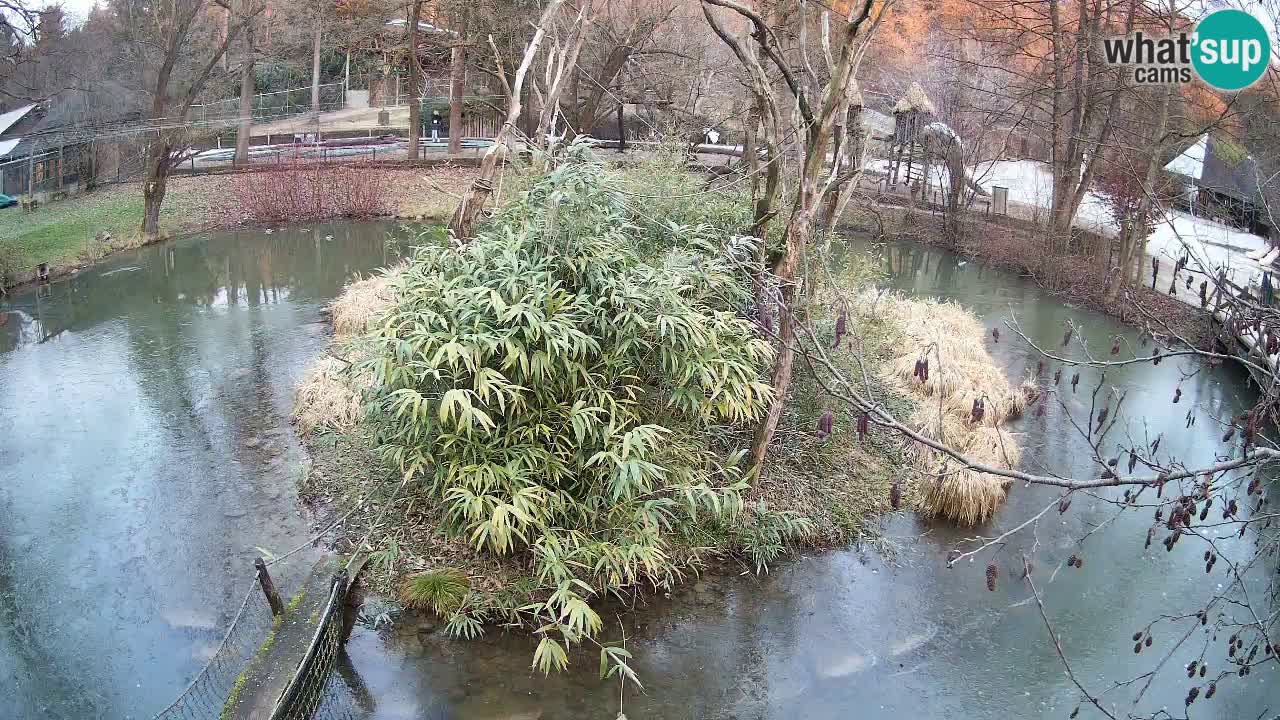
(323, 686)
(273, 104)
(215, 686)
(317, 691)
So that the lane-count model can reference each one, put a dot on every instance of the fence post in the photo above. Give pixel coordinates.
(268, 587)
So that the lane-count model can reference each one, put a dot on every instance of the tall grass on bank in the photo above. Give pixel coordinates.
(961, 372)
(330, 396)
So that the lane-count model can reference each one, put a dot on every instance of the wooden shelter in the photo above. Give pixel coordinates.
(910, 115)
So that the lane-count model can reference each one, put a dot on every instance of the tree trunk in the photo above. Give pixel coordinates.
(415, 83)
(558, 65)
(154, 186)
(1135, 235)
(246, 101)
(589, 108)
(622, 130)
(797, 237)
(842, 190)
(464, 217)
(315, 75)
(457, 85)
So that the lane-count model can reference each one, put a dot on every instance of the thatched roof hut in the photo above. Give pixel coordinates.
(915, 101)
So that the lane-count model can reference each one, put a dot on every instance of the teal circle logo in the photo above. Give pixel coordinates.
(1231, 50)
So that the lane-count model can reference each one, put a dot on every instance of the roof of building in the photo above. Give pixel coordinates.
(7, 146)
(9, 119)
(1215, 165)
(914, 101)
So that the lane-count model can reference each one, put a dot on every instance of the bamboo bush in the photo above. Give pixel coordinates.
(559, 393)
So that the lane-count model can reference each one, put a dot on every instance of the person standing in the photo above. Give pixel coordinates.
(436, 121)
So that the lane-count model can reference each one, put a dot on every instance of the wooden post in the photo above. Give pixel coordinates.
(268, 587)
(622, 131)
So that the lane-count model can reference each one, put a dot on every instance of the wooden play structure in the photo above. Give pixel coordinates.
(910, 115)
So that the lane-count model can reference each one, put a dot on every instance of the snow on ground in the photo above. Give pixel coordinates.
(1209, 245)
(1030, 183)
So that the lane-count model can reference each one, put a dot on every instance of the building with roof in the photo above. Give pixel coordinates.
(47, 150)
(1220, 182)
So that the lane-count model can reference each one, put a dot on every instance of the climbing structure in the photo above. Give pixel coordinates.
(922, 142)
(910, 115)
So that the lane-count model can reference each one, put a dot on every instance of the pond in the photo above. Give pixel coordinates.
(145, 452)
(146, 456)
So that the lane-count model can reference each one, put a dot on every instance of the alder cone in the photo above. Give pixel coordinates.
(992, 573)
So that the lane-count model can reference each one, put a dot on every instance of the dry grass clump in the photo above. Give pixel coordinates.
(364, 301)
(961, 371)
(963, 496)
(329, 396)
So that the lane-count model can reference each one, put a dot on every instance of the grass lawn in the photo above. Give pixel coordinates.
(63, 233)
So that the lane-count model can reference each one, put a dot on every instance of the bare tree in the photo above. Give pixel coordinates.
(477, 196)
(415, 80)
(175, 49)
(818, 107)
(457, 78)
(561, 63)
(248, 67)
(620, 31)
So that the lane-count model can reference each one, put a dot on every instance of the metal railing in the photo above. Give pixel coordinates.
(215, 686)
(318, 688)
(281, 103)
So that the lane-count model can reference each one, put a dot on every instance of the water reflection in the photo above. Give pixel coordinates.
(842, 635)
(145, 453)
